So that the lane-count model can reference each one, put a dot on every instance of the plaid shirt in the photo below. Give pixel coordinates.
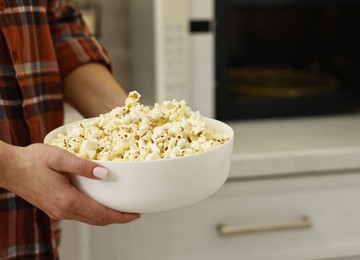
(41, 41)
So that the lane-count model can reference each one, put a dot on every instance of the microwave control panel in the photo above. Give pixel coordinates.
(172, 35)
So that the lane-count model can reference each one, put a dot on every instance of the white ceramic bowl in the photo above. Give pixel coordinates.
(164, 184)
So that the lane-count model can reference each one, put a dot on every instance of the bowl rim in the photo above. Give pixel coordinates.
(231, 138)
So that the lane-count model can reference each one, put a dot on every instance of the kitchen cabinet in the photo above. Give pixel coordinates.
(326, 206)
(294, 196)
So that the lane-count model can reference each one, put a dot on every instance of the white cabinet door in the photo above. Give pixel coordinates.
(331, 228)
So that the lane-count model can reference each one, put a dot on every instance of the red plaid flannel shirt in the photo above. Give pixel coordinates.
(41, 41)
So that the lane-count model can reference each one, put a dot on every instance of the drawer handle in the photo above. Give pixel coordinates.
(226, 230)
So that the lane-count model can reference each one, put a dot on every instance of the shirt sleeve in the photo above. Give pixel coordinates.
(73, 42)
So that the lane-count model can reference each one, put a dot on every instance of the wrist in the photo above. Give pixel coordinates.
(8, 155)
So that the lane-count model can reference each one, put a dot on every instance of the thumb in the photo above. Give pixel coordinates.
(100, 172)
(68, 163)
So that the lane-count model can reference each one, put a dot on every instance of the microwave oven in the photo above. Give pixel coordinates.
(172, 52)
(248, 59)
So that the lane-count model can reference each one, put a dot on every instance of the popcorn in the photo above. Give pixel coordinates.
(136, 132)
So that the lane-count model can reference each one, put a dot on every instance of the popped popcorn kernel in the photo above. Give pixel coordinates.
(136, 132)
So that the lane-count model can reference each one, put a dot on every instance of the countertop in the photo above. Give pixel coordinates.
(306, 145)
(296, 145)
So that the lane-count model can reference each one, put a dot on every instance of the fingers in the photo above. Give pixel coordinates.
(63, 161)
(111, 217)
(76, 206)
(104, 216)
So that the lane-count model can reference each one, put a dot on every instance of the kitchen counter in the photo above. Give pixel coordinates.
(305, 145)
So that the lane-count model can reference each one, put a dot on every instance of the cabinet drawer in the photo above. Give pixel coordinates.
(294, 218)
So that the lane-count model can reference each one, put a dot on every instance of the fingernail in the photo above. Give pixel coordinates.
(100, 172)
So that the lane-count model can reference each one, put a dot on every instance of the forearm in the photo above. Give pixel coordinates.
(92, 90)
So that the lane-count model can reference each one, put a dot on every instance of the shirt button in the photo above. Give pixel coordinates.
(2, 5)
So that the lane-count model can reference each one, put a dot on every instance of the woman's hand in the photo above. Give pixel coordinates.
(39, 174)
